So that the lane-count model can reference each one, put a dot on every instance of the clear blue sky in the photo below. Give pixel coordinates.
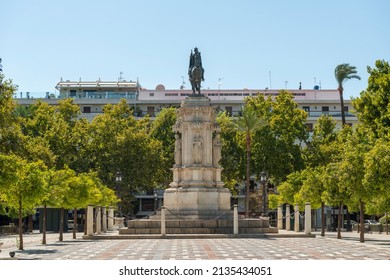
(240, 41)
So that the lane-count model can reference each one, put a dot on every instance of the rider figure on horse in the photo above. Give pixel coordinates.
(195, 71)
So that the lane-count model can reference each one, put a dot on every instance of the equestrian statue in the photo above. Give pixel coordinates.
(195, 71)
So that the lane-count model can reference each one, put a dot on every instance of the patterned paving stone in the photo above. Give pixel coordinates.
(349, 248)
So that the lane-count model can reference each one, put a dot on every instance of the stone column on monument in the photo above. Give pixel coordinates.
(89, 220)
(110, 220)
(288, 217)
(296, 218)
(307, 218)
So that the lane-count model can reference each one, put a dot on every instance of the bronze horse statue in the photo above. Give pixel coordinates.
(195, 71)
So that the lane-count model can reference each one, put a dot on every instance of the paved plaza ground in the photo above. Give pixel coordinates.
(376, 247)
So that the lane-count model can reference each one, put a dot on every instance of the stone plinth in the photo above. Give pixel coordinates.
(197, 198)
(197, 184)
(246, 226)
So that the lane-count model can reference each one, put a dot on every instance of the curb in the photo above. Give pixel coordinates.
(194, 236)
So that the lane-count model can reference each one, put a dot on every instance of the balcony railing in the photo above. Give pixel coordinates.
(143, 113)
(329, 113)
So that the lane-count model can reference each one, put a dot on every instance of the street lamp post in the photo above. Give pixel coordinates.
(263, 181)
(118, 181)
(155, 199)
(237, 188)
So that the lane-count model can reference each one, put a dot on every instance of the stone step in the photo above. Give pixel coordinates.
(196, 230)
(246, 226)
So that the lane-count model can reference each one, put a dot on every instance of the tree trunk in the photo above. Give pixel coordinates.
(74, 223)
(361, 221)
(61, 225)
(339, 221)
(44, 224)
(30, 223)
(248, 171)
(323, 219)
(341, 90)
(349, 227)
(20, 225)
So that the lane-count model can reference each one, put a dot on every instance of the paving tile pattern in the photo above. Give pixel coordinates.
(376, 247)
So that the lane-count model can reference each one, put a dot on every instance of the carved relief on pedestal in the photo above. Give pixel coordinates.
(178, 149)
(197, 149)
(216, 149)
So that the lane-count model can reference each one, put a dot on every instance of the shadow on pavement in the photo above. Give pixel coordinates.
(36, 252)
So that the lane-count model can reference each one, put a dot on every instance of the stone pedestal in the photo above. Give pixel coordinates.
(235, 220)
(197, 187)
(307, 218)
(98, 220)
(296, 218)
(197, 202)
(280, 217)
(89, 221)
(110, 221)
(104, 219)
(119, 222)
(288, 217)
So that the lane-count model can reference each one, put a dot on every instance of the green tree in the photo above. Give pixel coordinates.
(79, 195)
(336, 192)
(373, 109)
(10, 134)
(233, 147)
(119, 142)
(60, 186)
(22, 186)
(357, 145)
(248, 123)
(288, 191)
(320, 150)
(277, 145)
(377, 173)
(344, 72)
(162, 130)
(313, 191)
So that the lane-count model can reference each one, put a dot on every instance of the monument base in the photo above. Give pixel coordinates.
(197, 199)
(213, 226)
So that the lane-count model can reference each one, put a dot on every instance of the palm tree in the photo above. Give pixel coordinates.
(248, 122)
(342, 73)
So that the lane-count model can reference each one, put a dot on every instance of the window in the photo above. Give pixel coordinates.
(325, 110)
(151, 111)
(306, 108)
(151, 93)
(87, 109)
(346, 109)
(72, 93)
(229, 110)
